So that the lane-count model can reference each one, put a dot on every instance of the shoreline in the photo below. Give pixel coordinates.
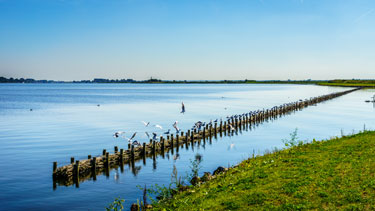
(330, 174)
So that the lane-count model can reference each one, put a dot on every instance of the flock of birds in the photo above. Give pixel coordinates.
(197, 126)
(154, 136)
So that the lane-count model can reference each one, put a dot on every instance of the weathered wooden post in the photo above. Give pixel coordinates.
(144, 153)
(107, 159)
(129, 146)
(104, 152)
(121, 156)
(144, 150)
(72, 160)
(153, 147)
(76, 169)
(54, 168)
(132, 152)
(163, 145)
(116, 149)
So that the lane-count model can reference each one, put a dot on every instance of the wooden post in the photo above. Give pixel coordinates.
(153, 148)
(163, 145)
(107, 159)
(121, 155)
(93, 168)
(72, 160)
(144, 150)
(129, 146)
(104, 151)
(54, 168)
(76, 168)
(204, 133)
(116, 149)
(89, 157)
(132, 152)
(172, 141)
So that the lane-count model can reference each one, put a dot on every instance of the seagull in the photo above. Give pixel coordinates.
(98, 105)
(145, 123)
(136, 143)
(118, 133)
(159, 126)
(176, 127)
(129, 139)
(167, 131)
(154, 136)
(182, 108)
(148, 136)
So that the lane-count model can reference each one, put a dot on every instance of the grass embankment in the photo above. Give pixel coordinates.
(334, 174)
(349, 83)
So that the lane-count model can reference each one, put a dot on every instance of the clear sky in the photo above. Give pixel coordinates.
(192, 39)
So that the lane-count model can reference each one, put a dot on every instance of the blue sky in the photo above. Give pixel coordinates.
(193, 40)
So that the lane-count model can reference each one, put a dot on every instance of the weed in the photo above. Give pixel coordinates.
(116, 205)
(293, 140)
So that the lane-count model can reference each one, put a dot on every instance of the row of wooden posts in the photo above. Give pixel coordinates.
(79, 170)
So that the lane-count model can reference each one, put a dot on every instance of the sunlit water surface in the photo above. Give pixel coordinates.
(66, 121)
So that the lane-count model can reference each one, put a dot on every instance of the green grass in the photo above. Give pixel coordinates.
(349, 83)
(334, 174)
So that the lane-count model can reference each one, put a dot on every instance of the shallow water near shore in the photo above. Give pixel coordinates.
(66, 121)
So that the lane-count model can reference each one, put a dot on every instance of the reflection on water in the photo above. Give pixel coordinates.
(65, 122)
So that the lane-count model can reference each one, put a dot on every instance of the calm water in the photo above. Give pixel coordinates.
(65, 122)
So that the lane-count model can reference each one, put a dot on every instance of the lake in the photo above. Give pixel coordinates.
(43, 123)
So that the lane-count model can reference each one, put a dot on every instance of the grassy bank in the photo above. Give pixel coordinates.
(349, 83)
(334, 174)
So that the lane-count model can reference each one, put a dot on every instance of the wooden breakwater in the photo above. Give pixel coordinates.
(80, 170)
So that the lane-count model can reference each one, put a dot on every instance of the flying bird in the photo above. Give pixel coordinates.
(145, 123)
(131, 138)
(176, 127)
(159, 126)
(118, 133)
(182, 108)
(148, 136)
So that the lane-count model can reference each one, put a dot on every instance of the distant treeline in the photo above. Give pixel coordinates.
(357, 82)
(151, 80)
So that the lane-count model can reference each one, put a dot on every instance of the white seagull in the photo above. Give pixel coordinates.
(159, 126)
(118, 133)
(145, 123)
(131, 138)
